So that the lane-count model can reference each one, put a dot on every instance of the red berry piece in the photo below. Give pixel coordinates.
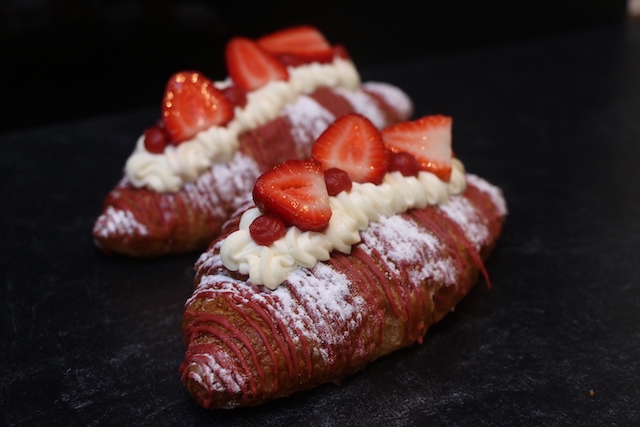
(352, 143)
(266, 229)
(155, 139)
(235, 95)
(337, 181)
(295, 192)
(404, 163)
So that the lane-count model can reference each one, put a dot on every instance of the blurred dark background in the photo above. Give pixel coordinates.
(63, 60)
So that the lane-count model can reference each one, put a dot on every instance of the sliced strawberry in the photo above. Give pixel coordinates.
(191, 103)
(295, 192)
(304, 42)
(250, 66)
(428, 139)
(352, 143)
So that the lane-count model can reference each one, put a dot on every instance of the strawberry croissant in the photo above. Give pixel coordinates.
(359, 267)
(196, 166)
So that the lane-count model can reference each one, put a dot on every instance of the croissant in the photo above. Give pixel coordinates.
(191, 171)
(249, 341)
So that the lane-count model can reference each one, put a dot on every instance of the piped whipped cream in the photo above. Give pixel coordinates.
(352, 211)
(177, 165)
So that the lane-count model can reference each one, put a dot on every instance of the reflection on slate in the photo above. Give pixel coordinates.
(95, 340)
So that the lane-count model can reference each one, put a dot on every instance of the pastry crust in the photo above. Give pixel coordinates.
(247, 345)
(142, 222)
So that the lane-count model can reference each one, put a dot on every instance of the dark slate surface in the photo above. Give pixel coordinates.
(95, 340)
(133, 46)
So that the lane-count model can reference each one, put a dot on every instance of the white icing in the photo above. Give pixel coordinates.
(352, 212)
(169, 171)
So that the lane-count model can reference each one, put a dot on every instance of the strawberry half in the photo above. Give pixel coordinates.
(295, 192)
(428, 139)
(303, 42)
(352, 143)
(192, 103)
(250, 66)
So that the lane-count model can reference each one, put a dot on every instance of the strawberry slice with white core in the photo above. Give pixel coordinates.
(295, 192)
(304, 42)
(192, 103)
(352, 143)
(428, 139)
(250, 66)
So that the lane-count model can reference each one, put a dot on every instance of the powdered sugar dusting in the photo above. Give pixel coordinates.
(326, 304)
(317, 304)
(392, 96)
(403, 245)
(215, 375)
(224, 184)
(463, 213)
(118, 222)
(308, 120)
(364, 104)
(214, 281)
(494, 193)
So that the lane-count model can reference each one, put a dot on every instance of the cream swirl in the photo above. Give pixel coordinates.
(169, 171)
(352, 211)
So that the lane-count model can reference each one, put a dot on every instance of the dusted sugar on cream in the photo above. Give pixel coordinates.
(352, 212)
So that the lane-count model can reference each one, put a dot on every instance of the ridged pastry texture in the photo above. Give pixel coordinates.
(142, 222)
(247, 345)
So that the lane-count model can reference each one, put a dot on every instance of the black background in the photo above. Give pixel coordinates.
(66, 59)
(553, 119)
